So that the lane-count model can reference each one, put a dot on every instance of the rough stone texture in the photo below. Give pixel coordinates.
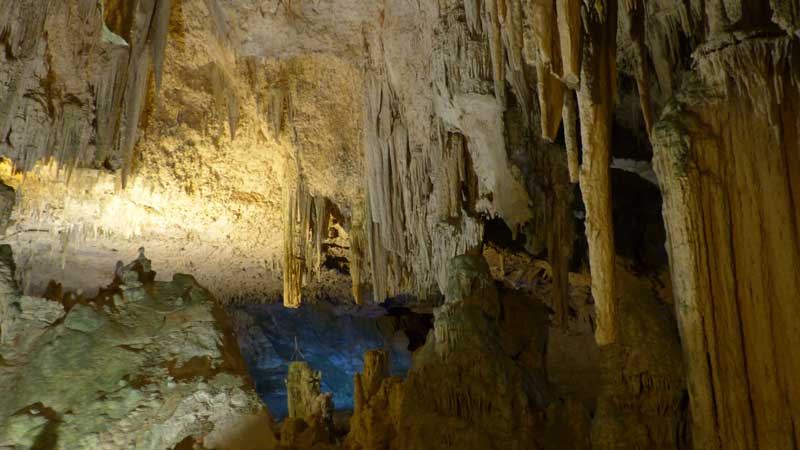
(626, 395)
(426, 129)
(727, 158)
(448, 400)
(144, 365)
(304, 396)
(216, 149)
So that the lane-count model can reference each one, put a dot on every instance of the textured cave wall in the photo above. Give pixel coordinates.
(217, 147)
(383, 139)
(727, 157)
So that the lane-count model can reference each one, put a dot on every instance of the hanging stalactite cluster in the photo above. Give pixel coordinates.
(52, 108)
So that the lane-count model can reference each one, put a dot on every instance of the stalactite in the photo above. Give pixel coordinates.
(276, 106)
(733, 239)
(665, 23)
(109, 90)
(306, 221)
(226, 99)
(22, 25)
(551, 101)
(158, 38)
(596, 103)
(492, 24)
(549, 87)
(292, 264)
(137, 82)
(138, 77)
(569, 33)
(634, 18)
(570, 114)
(359, 259)
(512, 31)
(117, 87)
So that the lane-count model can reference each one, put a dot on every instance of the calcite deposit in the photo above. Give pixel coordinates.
(596, 201)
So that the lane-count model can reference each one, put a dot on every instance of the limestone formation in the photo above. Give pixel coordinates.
(143, 365)
(465, 390)
(305, 398)
(596, 153)
(727, 160)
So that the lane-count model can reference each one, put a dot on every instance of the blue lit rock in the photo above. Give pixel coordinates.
(331, 340)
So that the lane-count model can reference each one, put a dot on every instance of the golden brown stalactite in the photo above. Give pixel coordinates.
(596, 103)
(292, 264)
(496, 47)
(570, 35)
(550, 88)
(551, 98)
(570, 114)
(635, 22)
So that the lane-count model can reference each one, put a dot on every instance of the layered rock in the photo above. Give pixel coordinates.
(143, 365)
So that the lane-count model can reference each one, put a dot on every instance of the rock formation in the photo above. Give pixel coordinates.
(627, 168)
(305, 399)
(143, 365)
(486, 380)
(472, 385)
(310, 411)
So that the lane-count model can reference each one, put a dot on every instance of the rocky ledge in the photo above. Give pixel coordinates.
(144, 365)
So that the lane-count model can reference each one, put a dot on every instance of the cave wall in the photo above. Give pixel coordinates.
(727, 158)
(217, 148)
(388, 138)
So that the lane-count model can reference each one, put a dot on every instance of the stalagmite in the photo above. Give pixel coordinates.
(596, 103)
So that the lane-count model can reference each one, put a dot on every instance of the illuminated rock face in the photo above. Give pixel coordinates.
(217, 147)
(143, 365)
(348, 150)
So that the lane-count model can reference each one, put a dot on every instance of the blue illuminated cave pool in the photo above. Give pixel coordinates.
(332, 339)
